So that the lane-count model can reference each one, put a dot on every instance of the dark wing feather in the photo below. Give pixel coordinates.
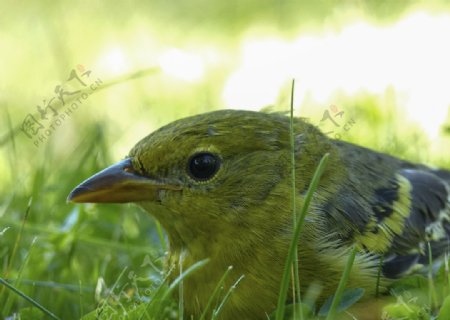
(391, 208)
(426, 226)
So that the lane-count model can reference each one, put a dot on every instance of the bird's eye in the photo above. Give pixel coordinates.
(203, 166)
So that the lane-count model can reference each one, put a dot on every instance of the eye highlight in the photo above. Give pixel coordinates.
(203, 166)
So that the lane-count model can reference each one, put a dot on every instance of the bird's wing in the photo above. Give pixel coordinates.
(426, 225)
(390, 208)
(409, 217)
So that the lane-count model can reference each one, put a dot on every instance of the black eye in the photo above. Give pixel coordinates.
(203, 166)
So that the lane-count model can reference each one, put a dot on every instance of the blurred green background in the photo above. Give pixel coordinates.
(134, 66)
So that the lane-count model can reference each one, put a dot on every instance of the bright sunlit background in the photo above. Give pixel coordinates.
(410, 55)
(384, 63)
(234, 56)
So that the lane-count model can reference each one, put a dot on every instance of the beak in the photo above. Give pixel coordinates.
(118, 184)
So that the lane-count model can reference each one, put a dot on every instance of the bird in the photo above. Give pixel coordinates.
(220, 185)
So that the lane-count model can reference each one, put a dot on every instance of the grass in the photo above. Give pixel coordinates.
(48, 245)
(29, 299)
(74, 261)
(296, 235)
(70, 262)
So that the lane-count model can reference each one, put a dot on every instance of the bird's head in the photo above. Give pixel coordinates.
(211, 174)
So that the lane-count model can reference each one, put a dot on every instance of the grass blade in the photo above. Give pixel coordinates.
(161, 237)
(292, 248)
(380, 268)
(181, 290)
(180, 278)
(296, 278)
(215, 292)
(30, 300)
(342, 283)
(225, 299)
(432, 295)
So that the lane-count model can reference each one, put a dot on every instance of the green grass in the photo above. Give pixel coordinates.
(79, 260)
(296, 235)
(72, 261)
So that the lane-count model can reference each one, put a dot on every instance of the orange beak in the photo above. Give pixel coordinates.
(118, 184)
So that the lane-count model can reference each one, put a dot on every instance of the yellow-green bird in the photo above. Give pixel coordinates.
(220, 185)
